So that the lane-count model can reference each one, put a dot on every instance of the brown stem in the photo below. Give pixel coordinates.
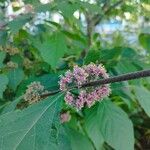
(90, 27)
(92, 21)
(124, 77)
(50, 93)
(89, 30)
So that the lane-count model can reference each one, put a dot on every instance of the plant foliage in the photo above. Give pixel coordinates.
(42, 42)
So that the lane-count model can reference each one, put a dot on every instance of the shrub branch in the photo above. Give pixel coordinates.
(119, 78)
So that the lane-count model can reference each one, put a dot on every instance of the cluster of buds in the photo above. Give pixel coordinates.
(10, 50)
(89, 95)
(27, 63)
(12, 65)
(34, 92)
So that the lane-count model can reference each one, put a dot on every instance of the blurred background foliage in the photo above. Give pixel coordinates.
(39, 40)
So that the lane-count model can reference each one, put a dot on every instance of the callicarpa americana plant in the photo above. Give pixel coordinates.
(94, 45)
(89, 95)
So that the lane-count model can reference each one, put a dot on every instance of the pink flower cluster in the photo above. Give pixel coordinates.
(89, 95)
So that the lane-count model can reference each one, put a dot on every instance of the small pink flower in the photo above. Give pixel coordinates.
(80, 75)
(103, 71)
(69, 98)
(79, 104)
(65, 80)
(65, 117)
(81, 100)
(62, 84)
(89, 100)
(69, 76)
(95, 95)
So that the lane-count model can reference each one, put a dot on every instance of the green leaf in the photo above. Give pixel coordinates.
(143, 96)
(2, 107)
(3, 37)
(128, 53)
(79, 141)
(115, 126)
(92, 56)
(15, 77)
(123, 91)
(124, 66)
(2, 57)
(36, 127)
(52, 49)
(145, 40)
(43, 8)
(34, 2)
(92, 128)
(3, 84)
(92, 8)
(67, 8)
(11, 105)
(49, 81)
(16, 24)
(110, 57)
(107, 54)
